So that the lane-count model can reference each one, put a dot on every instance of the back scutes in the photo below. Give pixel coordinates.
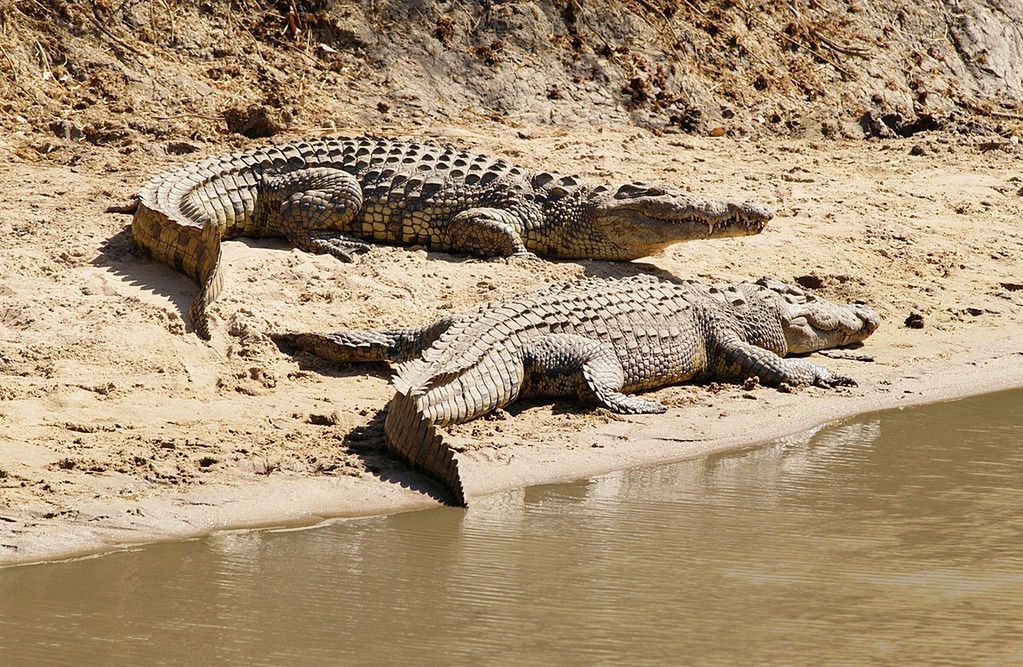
(413, 438)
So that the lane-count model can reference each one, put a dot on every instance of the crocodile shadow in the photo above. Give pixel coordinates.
(367, 443)
(119, 256)
(595, 268)
(309, 362)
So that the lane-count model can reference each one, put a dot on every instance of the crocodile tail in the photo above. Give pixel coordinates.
(210, 277)
(191, 248)
(398, 346)
(412, 437)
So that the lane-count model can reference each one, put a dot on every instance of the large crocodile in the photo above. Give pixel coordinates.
(597, 338)
(330, 195)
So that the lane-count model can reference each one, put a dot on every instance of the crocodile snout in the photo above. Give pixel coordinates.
(869, 318)
(755, 214)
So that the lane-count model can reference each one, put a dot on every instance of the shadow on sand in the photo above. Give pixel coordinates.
(119, 255)
(609, 269)
(367, 441)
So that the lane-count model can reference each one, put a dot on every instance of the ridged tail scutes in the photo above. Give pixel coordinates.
(413, 438)
(209, 277)
(192, 248)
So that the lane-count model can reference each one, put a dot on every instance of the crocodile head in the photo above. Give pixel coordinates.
(811, 323)
(638, 220)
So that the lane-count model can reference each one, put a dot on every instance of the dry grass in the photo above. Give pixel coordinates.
(126, 69)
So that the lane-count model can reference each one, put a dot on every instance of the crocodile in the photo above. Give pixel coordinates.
(331, 195)
(600, 339)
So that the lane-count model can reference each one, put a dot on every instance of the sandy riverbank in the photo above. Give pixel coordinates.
(117, 426)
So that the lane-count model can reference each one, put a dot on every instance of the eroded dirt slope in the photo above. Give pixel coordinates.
(113, 73)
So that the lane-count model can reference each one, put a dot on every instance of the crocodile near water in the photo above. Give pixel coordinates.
(330, 195)
(599, 339)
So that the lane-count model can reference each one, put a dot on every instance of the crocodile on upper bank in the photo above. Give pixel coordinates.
(597, 338)
(329, 195)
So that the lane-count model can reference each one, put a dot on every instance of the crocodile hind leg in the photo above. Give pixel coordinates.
(565, 364)
(489, 232)
(394, 345)
(738, 359)
(313, 208)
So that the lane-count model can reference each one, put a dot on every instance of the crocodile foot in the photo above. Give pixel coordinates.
(829, 381)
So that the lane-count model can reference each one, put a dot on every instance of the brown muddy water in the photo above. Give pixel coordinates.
(892, 538)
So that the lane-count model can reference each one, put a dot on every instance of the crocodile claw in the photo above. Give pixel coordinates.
(524, 256)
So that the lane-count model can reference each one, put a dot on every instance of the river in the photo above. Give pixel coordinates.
(892, 537)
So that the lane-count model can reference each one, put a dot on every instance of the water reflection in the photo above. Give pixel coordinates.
(895, 537)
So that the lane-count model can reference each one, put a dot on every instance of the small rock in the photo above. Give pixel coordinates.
(180, 148)
(66, 129)
(255, 122)
(917, 149)
(875, 125)
(751, 383)
(915, 321)
(785, 388)
(323, 420)
(810, 281)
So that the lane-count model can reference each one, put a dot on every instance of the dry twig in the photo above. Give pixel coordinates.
(793, 41)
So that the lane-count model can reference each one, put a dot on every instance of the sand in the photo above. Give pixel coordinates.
(118, 426)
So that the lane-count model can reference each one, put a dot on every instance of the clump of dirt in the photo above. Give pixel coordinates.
(255, 122)
(109, 73)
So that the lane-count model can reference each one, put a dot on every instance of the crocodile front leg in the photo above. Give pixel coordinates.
(565, 364)
(738, 359)
(489, 232)
(313, 208)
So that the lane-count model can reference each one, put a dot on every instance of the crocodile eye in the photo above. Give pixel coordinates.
(630, 190)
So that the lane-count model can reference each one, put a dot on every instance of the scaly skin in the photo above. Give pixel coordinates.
(330, 195)
(598, 339)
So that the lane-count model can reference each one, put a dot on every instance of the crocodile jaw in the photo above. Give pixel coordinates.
(644, 225)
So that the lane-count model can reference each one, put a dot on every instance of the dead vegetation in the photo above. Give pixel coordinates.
(110, 72)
